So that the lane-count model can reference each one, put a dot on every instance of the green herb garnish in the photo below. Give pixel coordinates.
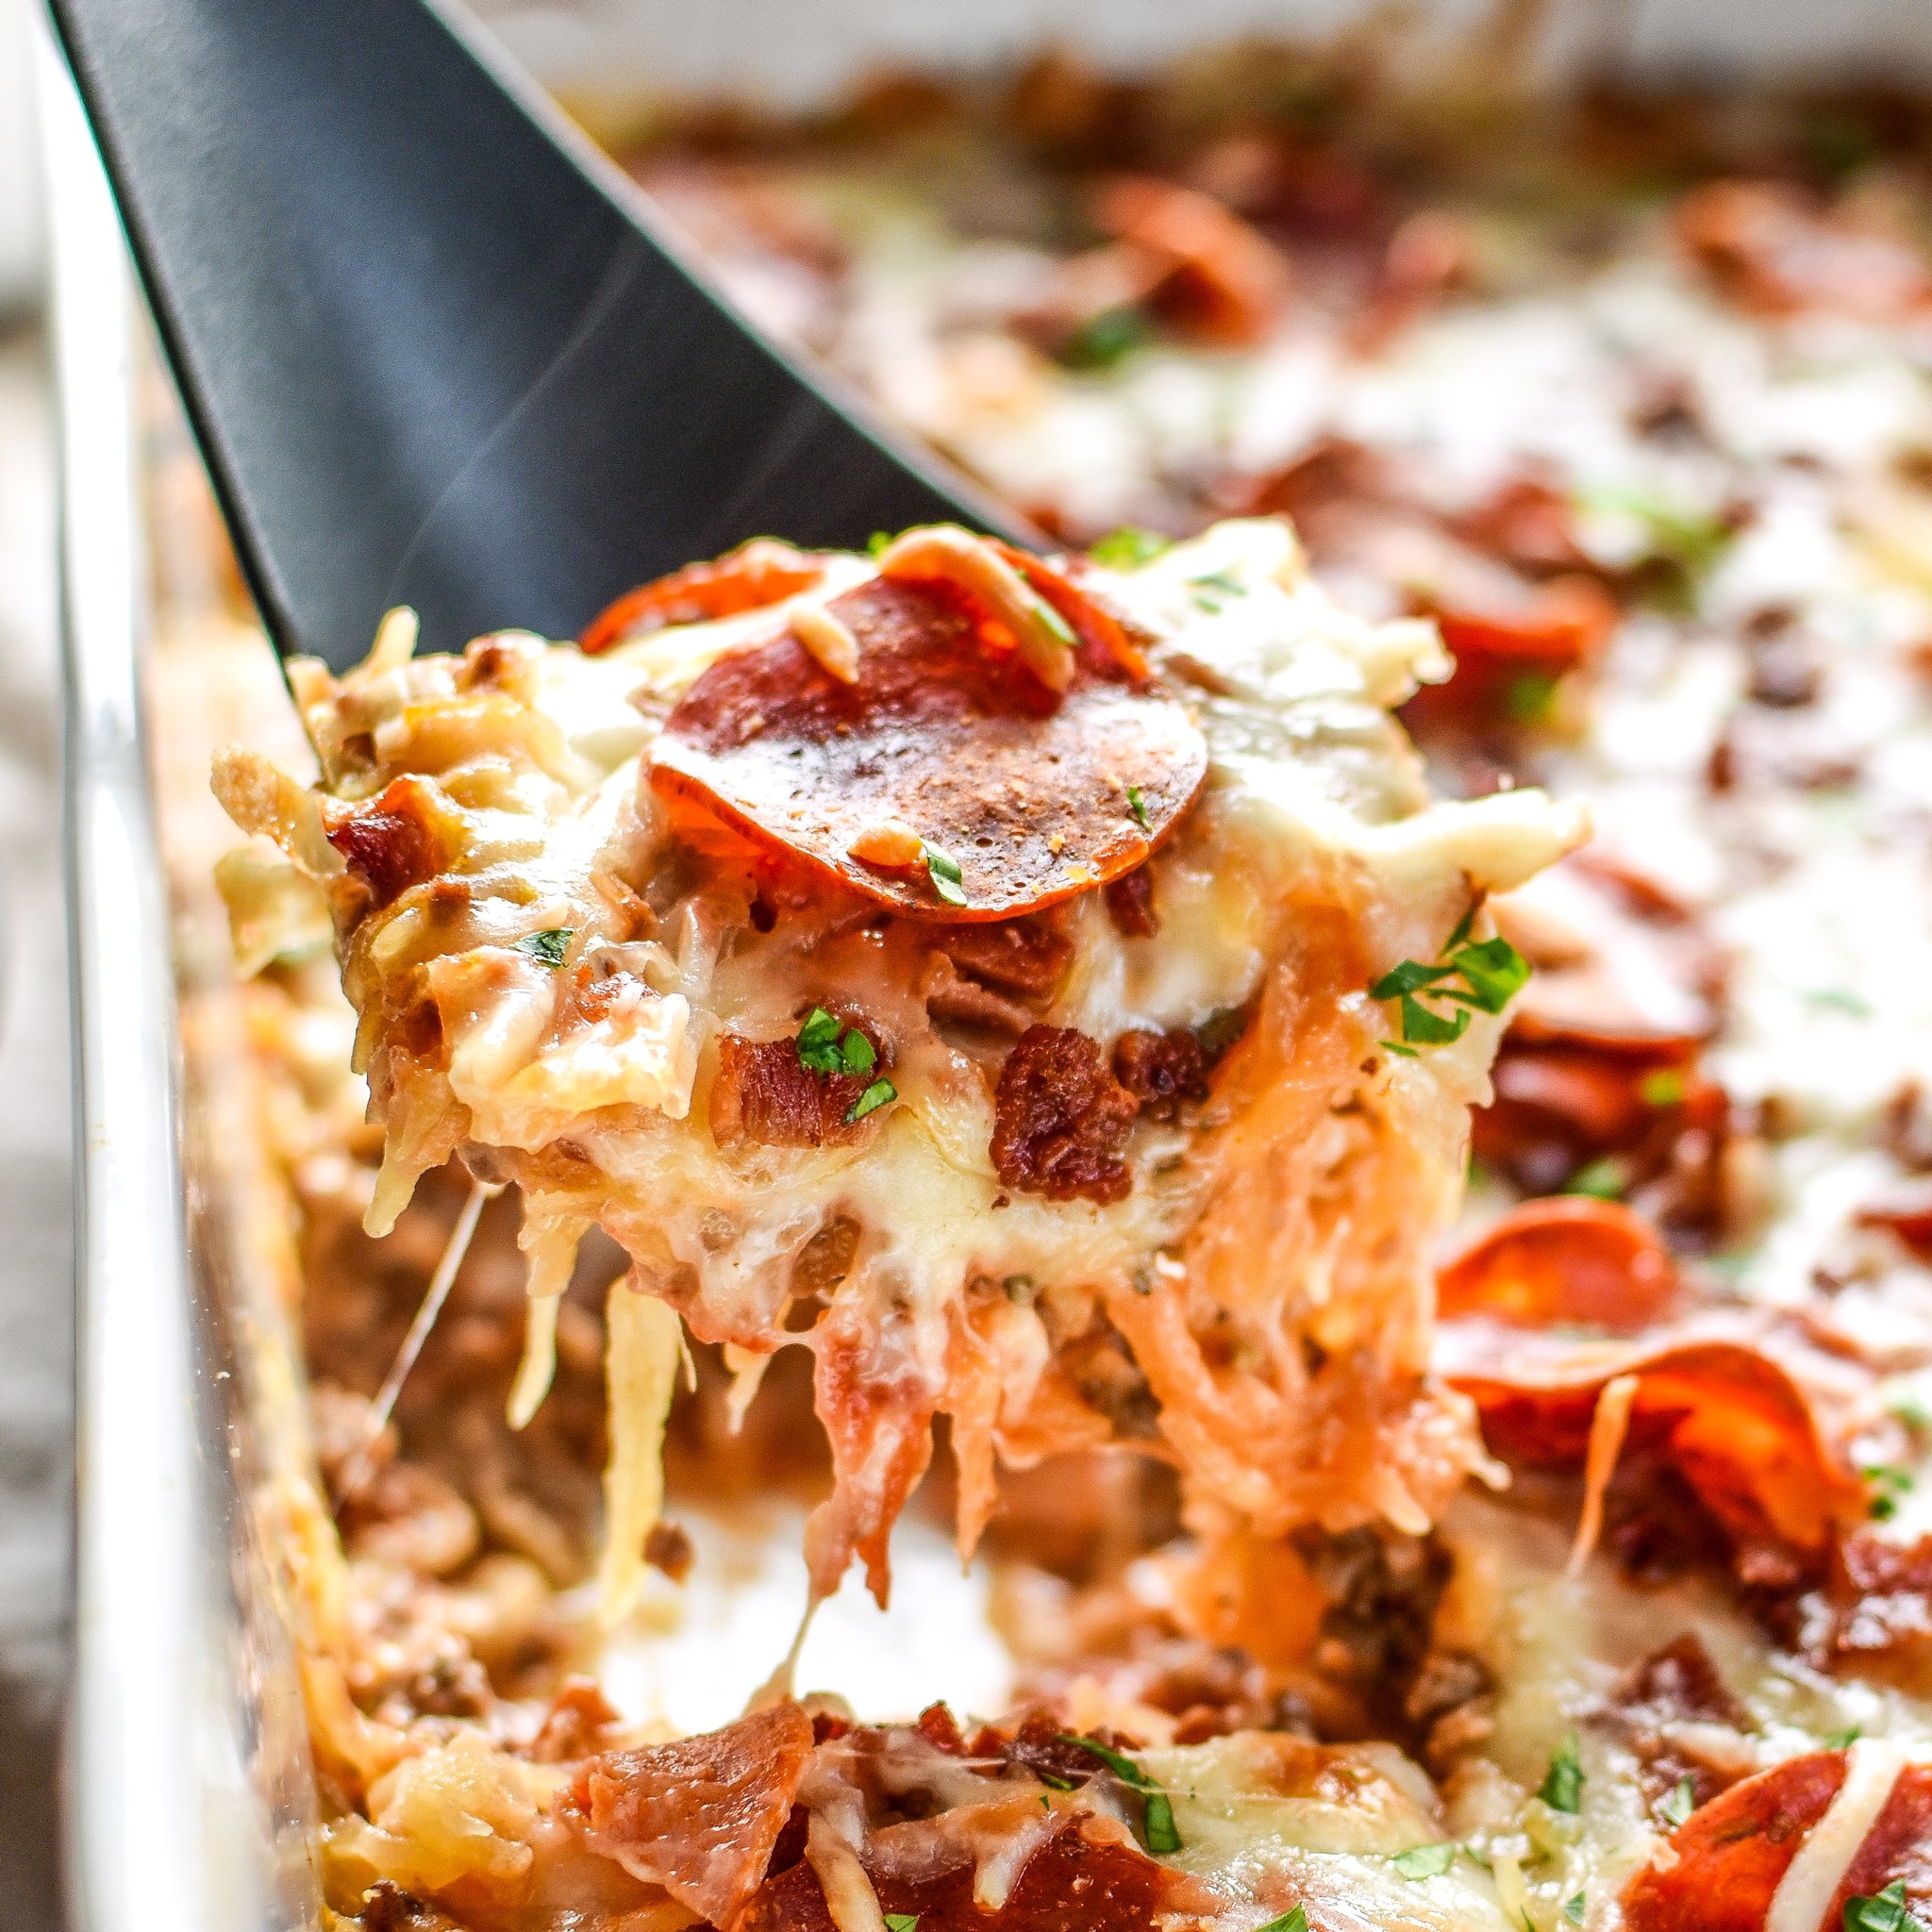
(1603, 1181)
(943, 870)
(1885, 1913)
(1137, 804)
(1678, 1802)
(1492, 973)
(1573, 1908)
(1661, 1087)
(1057, 625)
(828, 1046)
(1888, 1486)
(902, 1922)
(1156, 1827)
(878, 541)
(1425, 1861)
(1107, 339)
(1293, 1920)
(1844, 1740)
(1527, 699)
(1562, 1785)
(871, 1100)
(548, 947)
(818, 1042)
(1129, 548)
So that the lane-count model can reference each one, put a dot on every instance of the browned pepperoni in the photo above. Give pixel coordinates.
(1035, 798)
(1732, 1853)
(1070, 1885)
(762, 572)
(700, 1817)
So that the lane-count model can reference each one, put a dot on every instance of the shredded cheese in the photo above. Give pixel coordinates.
(644, 1348)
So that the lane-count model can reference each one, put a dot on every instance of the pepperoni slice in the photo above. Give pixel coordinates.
(1738, 1428)
(1071, 1884)
(1732, 1852)
(1567, 1259)
(944, 738)
(762, 572)
(1897, 1850)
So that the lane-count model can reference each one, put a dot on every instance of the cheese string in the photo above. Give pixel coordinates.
(1608, 1425)
(358, 1471)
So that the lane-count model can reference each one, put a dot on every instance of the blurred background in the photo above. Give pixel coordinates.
(788, 56)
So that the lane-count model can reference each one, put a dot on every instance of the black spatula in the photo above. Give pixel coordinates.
(438, 351)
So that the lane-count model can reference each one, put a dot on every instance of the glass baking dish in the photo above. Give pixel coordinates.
(189, 1790)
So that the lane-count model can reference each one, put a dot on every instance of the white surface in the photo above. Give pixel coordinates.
(791, 52)
(20, 197)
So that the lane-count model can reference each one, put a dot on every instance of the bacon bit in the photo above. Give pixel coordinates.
(1507, 659)
(668, 1548)
(951, 996)
(700, 1817)
(1072, 1881)
(1571, 1260)
(1130, 905)
(1608, 1429)
(1731, 1854)
(764, 1094)
(1027, 957)
(1428, 257)
(892, 843)
(941, 554)
(1876, 1610)
(1906, 1210)
(1222, 282)
(754, 574)
(942, 733)
(1062, 1120)
(1775, 251)
(1163, 1071)
(1736, 1428)
(390, 842)
(1531, 525)
(575, 1724)
(1672, 1690)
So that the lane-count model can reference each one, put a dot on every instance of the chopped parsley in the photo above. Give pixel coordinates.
(943, 870)
(1105, 339)
(1885, 1913)
(878, 541)
(1212, 589)
(1888, 1486)
(1293, 1920)
(1604, 1180)
(1573, 1908)
(1055, 622)
(1661, 1087)
(1137, 804)
(548, 947)
(1691, 539)
(828, 1047)
(871, 1100)
(1844, 1740)
(1157, 1819)
(902, 1922)
(1909, 1406)
(1129, 548)
(1425, 1861)
(1527, 699)
(1562, 1785)
(1678, 1802)
(1492, 973)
